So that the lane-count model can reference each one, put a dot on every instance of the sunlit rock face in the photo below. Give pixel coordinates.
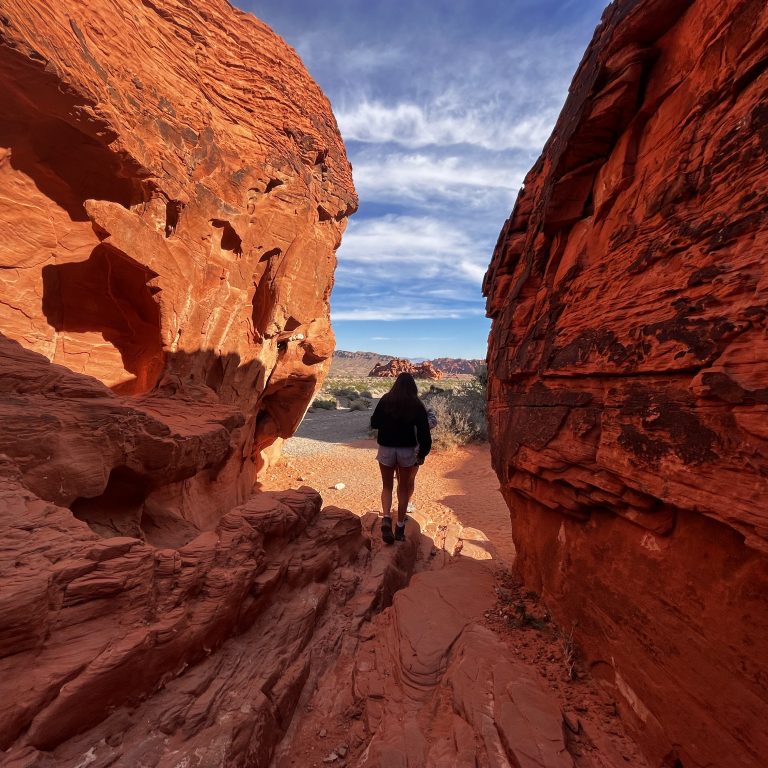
(628, 372)
(174, 188)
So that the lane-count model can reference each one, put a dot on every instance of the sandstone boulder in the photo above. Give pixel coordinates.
(396, 366)
(174, 189)
(628, 372)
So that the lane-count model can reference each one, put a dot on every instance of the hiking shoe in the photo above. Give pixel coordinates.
(399, 533)
(386, 530)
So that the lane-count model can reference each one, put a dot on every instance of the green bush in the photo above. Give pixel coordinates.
(326, 405)
(359, 405)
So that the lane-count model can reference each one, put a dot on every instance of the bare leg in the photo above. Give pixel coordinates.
(405, 484)
(387, 483)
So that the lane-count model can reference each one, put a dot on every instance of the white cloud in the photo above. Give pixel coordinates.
(406, 247)
(412, 125)
(408, 267)
(474, 272)
(424, 179)
(386, 314)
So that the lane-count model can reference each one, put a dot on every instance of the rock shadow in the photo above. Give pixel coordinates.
(481, 507)
(109, 294)
(65, 164)
(192, 427)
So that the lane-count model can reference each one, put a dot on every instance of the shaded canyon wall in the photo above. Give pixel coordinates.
(628, 372)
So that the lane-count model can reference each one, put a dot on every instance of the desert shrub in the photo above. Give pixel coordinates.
(367, 394)
(461, 417)
(350, 392)
(359, 404)
(326, 405)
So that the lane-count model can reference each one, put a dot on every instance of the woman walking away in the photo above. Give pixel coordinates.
(404, 441)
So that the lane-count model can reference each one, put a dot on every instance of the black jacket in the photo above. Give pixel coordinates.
(397, 432)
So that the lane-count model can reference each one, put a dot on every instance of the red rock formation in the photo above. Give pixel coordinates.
(98, 624)
(92, 624)
(397, 366)
(173, 190)
(628, 393)
(451, 366)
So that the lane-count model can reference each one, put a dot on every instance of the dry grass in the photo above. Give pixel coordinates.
(461, 416)
(570, 653)
(458, 403)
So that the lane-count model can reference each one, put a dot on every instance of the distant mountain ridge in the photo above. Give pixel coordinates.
(360, 363)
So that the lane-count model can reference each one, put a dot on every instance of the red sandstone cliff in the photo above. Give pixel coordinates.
(628, 372)
(174, 188)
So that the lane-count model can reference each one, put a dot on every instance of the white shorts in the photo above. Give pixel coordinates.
(397, 457)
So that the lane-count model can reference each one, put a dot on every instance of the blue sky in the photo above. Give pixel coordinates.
(444, 105)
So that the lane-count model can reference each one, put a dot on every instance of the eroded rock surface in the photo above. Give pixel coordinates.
(269, 641)
(174, 188)
(628, 372)
(424, 683)
(93, 626)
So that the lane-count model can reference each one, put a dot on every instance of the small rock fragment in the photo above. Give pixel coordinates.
(572, 723)
(339, 486)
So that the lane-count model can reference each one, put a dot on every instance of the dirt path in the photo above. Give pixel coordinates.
(458, 488)
(458, 505)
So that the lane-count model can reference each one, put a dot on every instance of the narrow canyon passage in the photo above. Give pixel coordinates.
(398, 692)
(174, 188)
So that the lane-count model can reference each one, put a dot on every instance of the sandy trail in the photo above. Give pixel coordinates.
(459, 487)
(458, 492)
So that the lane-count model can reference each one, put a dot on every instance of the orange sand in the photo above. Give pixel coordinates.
(455, 487)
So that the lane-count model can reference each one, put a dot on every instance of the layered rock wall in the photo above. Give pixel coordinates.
(628, 372)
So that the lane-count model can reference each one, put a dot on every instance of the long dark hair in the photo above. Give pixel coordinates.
(402, 401)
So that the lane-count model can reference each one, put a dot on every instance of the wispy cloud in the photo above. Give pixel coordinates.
(413, 125)
(401, 313)
(426, 179)
(409, 246)
(398, 267)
